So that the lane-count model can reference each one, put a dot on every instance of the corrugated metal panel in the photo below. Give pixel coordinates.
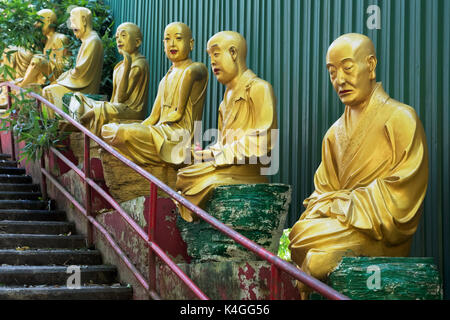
(287, 46)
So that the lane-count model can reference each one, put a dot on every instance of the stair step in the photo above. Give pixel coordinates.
(55, 275)
(24, 204)
(5, 156)
(36, 227)
(20, 187)
(7, 163)
(12, 171)
(31, 215)
(18, 195)
(50, 257)
(41, 241)
(7, 178)
(97, 292)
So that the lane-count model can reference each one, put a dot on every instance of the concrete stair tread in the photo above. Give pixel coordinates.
(12, 171)
(22, 187)
(87, 292)
(36, 227)
(16, 179)
(24, 204)
(55, 275)
(19, 195)
(43, 257)
(32, 215)
(36, 241)
(8, 163)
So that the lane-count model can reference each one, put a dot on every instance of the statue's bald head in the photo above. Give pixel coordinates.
(132, 29)
(228, 39)
(48, 15)
(184, 28)
(83, 14)
(361, 45)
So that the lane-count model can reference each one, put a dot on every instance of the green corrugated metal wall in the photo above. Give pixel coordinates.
(287, 46)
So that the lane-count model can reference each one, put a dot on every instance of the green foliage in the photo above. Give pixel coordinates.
(17, 20)
(283, 250)
(17, 29)
(32, 126)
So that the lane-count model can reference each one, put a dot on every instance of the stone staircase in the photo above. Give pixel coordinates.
(38, 245)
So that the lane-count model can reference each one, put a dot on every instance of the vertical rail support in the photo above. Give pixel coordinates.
(43, 177)
(88, 202)
(151, 236)
(13, 142)
(275, 283)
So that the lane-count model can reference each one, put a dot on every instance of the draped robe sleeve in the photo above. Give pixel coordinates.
(87, 71)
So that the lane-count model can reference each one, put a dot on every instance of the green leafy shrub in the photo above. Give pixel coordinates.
(283, 250)
(17, 29)
(32, 126)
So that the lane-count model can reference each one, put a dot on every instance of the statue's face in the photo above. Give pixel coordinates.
(349, 73)
(177, 43)
(223, 65)
(77, 25)
(126, 40)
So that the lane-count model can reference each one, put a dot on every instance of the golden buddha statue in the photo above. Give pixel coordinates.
(130, 86)
(178, 104)
(247, 117)
(85, 77)
(372, 181)
(36, 69)
(40, 68)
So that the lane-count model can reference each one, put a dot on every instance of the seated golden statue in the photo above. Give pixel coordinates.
(36, 69)
(41, 68)
(178, 104)
(85, 77)
(247, 116)
(373, 177)
(130, 86)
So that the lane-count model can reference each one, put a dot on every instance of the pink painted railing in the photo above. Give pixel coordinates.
(277, 265)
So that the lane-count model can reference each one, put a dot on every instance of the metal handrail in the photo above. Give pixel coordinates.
(277, 264)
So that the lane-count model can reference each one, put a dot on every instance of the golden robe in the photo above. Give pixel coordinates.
(135, 108)
(157, 140)
(18, 60)
(85, 77)
(245, 125)
(54, 66)
(369, 188)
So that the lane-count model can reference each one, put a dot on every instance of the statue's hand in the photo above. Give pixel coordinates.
(126, 59)
(87, 116)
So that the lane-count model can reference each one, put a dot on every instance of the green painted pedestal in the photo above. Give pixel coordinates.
(387, 278)
(256, 211)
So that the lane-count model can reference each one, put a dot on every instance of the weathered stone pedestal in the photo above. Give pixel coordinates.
(387, 278)
(125, 184)
(256, 211)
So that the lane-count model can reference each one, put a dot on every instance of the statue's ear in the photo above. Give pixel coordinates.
(138, 43)
(192, 44)
(372, 64)
(233, 52)
(84, 20)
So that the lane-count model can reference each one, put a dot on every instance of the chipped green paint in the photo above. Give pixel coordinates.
(398, 278)
(258, 212)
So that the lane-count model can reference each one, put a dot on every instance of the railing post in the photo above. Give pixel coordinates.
(274, 283)
(13, 143)
(43, 177)
(87, 175)
(151, 236)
